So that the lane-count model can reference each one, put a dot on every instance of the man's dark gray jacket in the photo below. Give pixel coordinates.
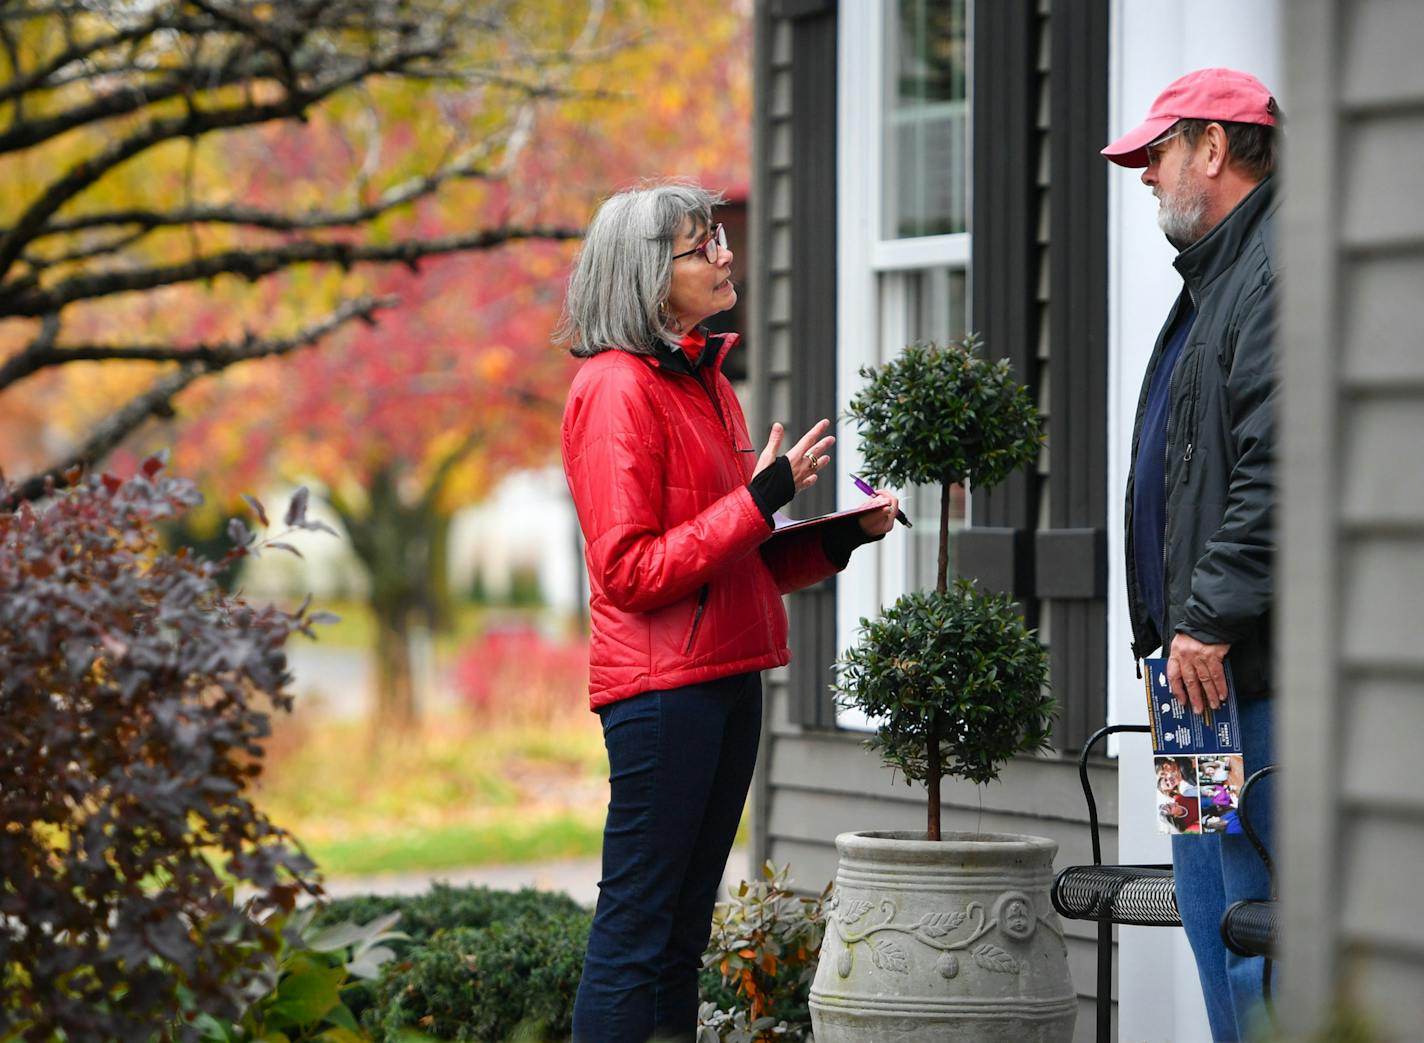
(1220, 479)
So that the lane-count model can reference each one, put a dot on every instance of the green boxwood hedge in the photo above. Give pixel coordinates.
(444, 906)
(426, 917)
(483, 966)
(516, 978)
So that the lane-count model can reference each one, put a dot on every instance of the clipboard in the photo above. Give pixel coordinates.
(785, 524)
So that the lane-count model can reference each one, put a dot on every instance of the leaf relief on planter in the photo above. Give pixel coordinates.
(1013, 915)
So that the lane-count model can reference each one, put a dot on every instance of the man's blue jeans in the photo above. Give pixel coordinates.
(1214, 871)
(680, 763)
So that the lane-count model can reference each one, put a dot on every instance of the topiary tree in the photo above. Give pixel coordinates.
(955, 677)
(134, 697)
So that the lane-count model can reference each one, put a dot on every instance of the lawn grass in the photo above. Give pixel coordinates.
(505, 840)
(458, 792)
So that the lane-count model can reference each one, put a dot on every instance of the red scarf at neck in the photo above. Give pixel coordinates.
(692, 345)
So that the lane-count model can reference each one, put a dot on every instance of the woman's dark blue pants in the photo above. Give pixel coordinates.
(680, 763)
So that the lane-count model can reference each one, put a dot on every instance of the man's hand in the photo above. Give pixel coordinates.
(1195, 673)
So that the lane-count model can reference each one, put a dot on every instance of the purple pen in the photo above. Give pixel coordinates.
(865, 487)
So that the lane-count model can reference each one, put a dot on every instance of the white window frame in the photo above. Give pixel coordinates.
(869, 325)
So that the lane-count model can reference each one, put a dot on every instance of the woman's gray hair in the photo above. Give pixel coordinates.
(619, 286)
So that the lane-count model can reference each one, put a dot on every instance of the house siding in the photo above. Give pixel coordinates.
(814, 781)
(1352, 515)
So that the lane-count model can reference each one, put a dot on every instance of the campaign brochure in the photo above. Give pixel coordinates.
(1196, 758)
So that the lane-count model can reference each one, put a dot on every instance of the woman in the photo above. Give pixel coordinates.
(685, 589)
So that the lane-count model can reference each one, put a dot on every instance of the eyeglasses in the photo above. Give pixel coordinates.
(710, 248)
(1154, 150)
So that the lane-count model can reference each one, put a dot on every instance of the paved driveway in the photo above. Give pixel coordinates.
(577, 877)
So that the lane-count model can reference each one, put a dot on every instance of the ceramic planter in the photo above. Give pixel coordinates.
(948, 940)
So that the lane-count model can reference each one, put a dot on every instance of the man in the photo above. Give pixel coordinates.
(1200, 490)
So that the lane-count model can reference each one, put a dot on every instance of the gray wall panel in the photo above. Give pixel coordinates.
(1379, 752)
(1381, 904)
(1388, 987)
(1381, 52)
(1381, 582)
(1383, 341)
(813, 865)
(840, 764)
(1352, 525)
(1384, 468)
(813, 817)
(1381, 159)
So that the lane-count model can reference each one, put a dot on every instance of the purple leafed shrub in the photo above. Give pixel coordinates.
(134, 695)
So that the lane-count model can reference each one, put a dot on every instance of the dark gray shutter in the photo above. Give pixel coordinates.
(1071, 567)
(1040, 300)
(813, 324)
(997, 549)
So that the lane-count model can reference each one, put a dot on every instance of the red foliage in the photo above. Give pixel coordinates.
(471, 336)
(516, 674)
(134, 700)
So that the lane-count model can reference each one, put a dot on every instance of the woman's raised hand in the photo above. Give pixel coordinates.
(807, 457)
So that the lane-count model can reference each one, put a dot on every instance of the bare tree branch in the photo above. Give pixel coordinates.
(12, 51)
(21, 363)
(43, 353)
(30, 13)
(124, 101)
(254, 217)
(193, 123)
(283, 59)
(447, 466)
(88, 253)
(128, 76)
(532, 399)
(267, 33)
(39, 76)
(157, 400)
(255, 264)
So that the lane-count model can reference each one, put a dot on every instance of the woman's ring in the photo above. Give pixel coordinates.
(811, 461)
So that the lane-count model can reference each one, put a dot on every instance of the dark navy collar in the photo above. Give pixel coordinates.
(1215, 252)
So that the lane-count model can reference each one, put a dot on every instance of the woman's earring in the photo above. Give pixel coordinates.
(665, 318)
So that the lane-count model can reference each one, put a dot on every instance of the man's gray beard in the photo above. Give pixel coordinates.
(1182, 214)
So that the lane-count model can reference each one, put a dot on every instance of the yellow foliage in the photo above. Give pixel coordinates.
(674, 99)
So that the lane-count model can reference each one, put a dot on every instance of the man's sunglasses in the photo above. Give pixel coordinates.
(710, 248)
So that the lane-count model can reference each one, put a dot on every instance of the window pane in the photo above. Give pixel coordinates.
(926, 111)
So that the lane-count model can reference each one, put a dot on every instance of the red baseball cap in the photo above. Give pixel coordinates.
(1206, 94)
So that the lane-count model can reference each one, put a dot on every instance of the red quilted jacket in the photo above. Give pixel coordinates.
(683, 586)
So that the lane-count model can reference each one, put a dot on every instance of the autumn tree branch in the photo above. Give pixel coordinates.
(254, 264)
(157, 400)
(106, 248)
(193, 123)
(22, 363)
(127, 100)
(271, 220)
(40, 77)
(112, 82)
